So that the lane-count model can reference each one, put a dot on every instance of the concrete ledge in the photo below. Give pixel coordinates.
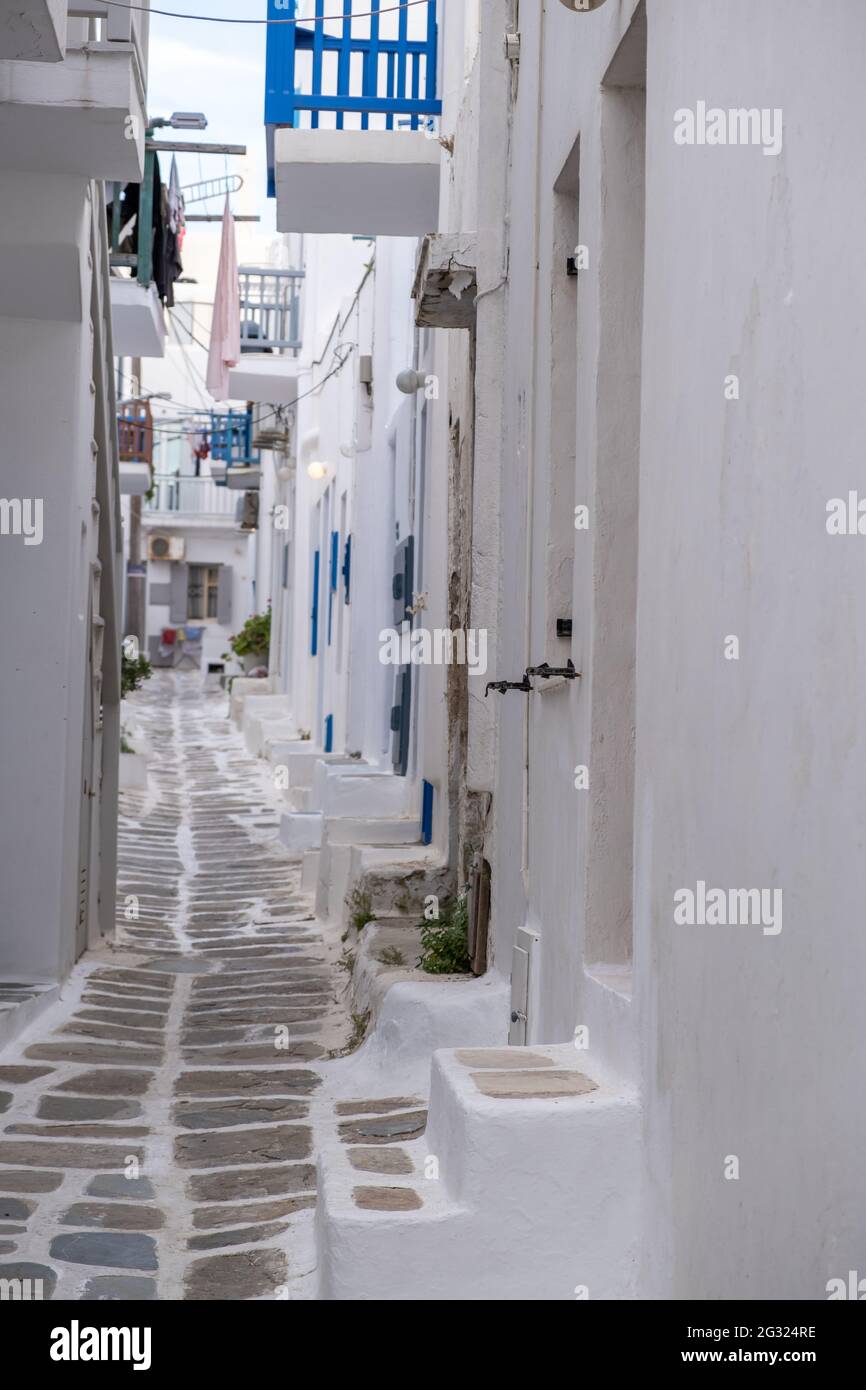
(300, 831)
(133, 772)
(137, 322)
(242, 687)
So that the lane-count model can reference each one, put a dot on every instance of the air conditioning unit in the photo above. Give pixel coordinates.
(162, 547)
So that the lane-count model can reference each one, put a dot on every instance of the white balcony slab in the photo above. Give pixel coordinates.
(137, 320)
(135, 479)
(264, 378)
(76, 117)
(362, 182)
(33, 31)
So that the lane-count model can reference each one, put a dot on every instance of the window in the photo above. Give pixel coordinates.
(202, 600)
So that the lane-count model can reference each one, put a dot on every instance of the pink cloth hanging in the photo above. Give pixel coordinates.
(225, 334)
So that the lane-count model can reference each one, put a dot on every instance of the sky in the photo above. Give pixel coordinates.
(218, 69)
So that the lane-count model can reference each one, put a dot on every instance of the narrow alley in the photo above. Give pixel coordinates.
(430, 439)
(158, 1127)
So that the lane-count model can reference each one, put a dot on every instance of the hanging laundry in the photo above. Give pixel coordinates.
(225, 334)
(176, 206)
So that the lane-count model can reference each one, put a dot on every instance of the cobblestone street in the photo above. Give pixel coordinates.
(158, 1128)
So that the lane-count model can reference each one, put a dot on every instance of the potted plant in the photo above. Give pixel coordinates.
(252, 643)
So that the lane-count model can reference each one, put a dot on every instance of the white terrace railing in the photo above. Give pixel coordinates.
(194, 497)
(95, 21)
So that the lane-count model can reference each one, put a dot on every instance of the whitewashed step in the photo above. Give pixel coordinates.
(363, 830)
(300, 831)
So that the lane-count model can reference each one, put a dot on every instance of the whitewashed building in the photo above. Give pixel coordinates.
(652, 210)
(72, 93)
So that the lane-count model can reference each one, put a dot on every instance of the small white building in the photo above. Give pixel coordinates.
(71, 92)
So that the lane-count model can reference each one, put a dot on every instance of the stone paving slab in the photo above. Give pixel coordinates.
(158, 1141)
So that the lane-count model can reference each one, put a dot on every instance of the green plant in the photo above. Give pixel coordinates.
(445, 941)
(360, 909)
(254, 638)
(304, 735)
(360, 1024)
(134, 671)
(346, 962)
(125, 745)
(392, 955)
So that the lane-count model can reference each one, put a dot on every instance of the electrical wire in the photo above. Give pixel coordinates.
(313, 19)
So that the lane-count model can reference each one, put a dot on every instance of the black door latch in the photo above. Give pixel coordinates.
(546, 672)
(502, 686)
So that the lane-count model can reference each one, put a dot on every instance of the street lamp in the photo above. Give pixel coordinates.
(180, 120)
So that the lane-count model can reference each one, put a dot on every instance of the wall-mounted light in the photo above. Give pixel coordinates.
(409, 382)
(583, 6)
(317, 470)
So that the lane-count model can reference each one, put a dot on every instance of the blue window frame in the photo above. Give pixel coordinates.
(329, 733)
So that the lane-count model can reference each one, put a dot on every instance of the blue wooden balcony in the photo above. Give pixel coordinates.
(372, 70)
(231, 439)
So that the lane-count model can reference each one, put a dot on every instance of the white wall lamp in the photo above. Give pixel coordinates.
(317, 470)
(409, 382)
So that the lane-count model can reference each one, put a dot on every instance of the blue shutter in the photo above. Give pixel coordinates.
(335, 552)
(314, 616)
(427, 813)
(329, 734)
(347, 569)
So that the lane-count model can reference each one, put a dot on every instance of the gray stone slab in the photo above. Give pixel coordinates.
(14, 1151)
(246, 1235)
(37, 1282)
(80, 1131)
(223, 1114)
(23, 1075)
(377, 1107)
(95, 1052)
(5, 1100)
(87, 1108)
(115, 1216)
(126, 1189)
(22, 1181)
(117, 1251)
(126, 1288)
(209, 1218)
(386, 1198)
(236, 1184)
(222, 1148)
(236, 1277)
(381, 1130)
(388, 1158)
(107, 1083)
(256, 1052)
(13, 1209)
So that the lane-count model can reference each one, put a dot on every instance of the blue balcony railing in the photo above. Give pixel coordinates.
(362, 66)
(231, 437)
